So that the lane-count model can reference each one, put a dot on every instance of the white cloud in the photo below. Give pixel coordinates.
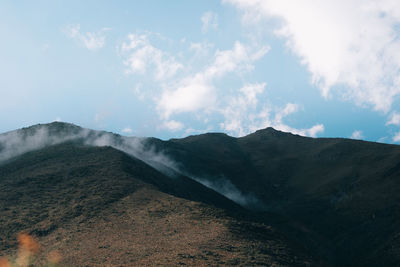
(251, 91)
(197, 91)
(209, 21)
(394, 119)
(127, 130)
(382, 139)
(201, 49)
(239, 58)
(192, 93)
(313, 131)
(350, 44)
(357, 135)
(396, 137)
(173, 125)
(138, 91)
(277, 122)
(142, 56)
(243, 115)
(91, 40)
(239, 112)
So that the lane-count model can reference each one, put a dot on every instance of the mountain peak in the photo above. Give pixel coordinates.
(270, 131)
(55, 127)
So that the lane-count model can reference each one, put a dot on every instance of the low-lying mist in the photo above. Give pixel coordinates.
(229, 190)
(16, 143)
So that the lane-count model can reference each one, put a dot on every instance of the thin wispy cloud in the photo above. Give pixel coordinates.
(209, 21)
(91, 40)
(173, 125)
(141, 56)
(201, 48)
(127, 131)
(357, 134)
(396, 137)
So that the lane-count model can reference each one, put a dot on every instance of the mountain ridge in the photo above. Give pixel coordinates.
(322, 193)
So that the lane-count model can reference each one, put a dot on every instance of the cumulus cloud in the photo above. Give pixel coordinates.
(243, 114)
(91, 40)
(191, 94)
(351, 46)
(394, 119)
(357, 135)
(197, 91)
(141, 56)
(209, 21)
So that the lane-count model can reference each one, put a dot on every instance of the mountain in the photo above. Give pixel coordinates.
(343, 191)
(99, 206)
(269, 198)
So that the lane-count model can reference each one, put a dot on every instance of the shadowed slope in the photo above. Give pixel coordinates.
(345, 191)
(99, 206)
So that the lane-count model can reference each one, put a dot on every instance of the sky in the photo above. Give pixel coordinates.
(170, 69)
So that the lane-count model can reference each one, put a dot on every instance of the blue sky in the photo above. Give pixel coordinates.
(174, 68)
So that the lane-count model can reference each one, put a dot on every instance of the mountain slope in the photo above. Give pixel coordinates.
(335, 199)
(99, 206)
(344, 191)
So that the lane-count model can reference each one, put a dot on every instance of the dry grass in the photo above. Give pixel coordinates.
(98, 207)
(150, 228)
